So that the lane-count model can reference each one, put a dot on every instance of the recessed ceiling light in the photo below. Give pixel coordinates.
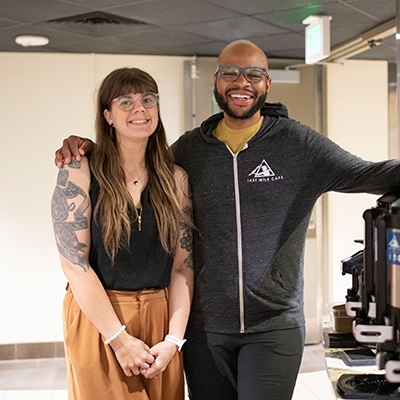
(31, 40)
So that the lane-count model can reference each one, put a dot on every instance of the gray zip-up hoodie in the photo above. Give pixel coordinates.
(252, 210)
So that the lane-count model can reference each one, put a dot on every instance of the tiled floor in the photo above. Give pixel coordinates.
(44, 379)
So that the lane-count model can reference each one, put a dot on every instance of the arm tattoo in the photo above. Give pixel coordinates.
(187, 237)
(65, 231)
(75, 164)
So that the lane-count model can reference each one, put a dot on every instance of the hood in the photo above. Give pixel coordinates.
(275, 110)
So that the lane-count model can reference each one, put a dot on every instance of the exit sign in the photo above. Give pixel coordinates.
(318, 38)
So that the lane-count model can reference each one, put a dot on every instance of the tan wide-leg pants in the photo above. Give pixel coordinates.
(93, 371)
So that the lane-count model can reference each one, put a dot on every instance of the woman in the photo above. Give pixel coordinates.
(122, 223)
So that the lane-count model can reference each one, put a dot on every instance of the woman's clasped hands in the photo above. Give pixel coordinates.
(136, 357)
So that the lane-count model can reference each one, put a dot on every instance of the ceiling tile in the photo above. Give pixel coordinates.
(261, 6)
(162, 38)
(379, 10)
(174, 12)
(232, 28)
(105, 4)
(287, 42)
(37, 10)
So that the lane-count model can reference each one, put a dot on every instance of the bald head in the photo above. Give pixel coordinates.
(243, 53)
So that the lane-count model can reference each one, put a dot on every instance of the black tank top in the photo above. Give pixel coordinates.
(144, 265)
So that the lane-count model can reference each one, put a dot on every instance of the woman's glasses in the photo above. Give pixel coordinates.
(127, 102)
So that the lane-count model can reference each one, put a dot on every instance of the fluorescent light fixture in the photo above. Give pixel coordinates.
(284, 75)
(318, 38)
(31, 40)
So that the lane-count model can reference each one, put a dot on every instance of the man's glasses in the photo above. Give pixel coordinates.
(128, 101)
(230, 73)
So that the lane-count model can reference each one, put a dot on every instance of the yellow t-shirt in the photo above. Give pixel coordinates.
(236, 138)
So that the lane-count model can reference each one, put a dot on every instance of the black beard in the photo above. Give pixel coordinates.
(223, 105)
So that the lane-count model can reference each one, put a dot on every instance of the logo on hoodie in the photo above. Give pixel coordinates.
(263, 173)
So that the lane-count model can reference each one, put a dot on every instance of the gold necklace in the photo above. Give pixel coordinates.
(135, 181)
(139, 218)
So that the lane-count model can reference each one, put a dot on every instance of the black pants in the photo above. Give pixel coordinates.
(252, 366)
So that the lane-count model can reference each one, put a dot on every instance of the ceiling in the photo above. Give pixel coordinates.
(189, 27)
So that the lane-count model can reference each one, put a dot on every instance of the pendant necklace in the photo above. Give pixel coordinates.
(139, 218)
(136, 181)
(140, 209)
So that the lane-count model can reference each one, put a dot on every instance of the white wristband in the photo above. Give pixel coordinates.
(175, 340)
(120, 330)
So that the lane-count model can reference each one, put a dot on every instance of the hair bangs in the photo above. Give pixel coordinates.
(134, 81)
(126, 81)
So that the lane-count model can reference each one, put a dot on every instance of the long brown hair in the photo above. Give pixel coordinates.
(115, 202)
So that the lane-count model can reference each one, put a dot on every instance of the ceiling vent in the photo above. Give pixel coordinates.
(99, 17)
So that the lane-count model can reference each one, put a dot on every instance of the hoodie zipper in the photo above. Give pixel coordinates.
(239, 237)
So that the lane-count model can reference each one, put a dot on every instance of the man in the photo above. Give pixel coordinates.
(255, 176)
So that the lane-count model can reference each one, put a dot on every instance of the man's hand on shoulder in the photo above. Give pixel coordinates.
(72, 147)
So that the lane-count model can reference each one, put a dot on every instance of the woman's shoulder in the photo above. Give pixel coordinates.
(78, 171)
(182, 181)
(179, 171)
(82, 164)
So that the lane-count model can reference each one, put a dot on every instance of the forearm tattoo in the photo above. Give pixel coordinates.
(187, 237)
(68, 218)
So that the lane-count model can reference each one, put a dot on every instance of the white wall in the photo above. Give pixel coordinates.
(44, 98)
(357, 120)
